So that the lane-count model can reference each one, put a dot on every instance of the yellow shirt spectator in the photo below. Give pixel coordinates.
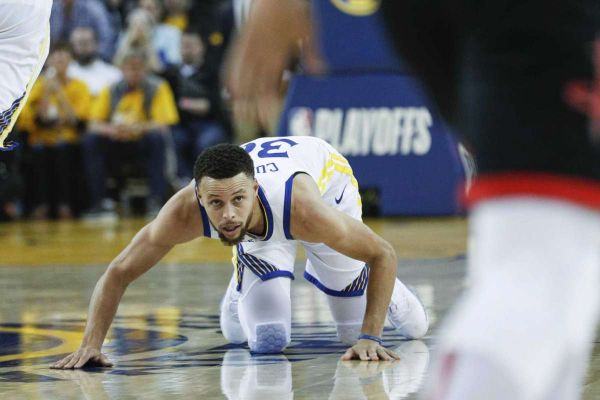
(130, 109)
(77, 95)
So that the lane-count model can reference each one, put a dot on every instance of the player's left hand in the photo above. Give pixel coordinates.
(369, 350)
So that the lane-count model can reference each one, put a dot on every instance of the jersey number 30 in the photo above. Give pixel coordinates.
(272, 148)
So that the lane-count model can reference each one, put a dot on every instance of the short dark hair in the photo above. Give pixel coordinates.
(223, 161)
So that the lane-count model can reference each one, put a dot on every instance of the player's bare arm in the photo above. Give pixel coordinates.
(314, 221)
(270, 39)
(177, 222)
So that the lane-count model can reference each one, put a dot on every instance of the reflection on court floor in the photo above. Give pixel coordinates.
(157, 350)
(166, 340)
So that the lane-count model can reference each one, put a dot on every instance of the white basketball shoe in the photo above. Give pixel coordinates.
(407, 313)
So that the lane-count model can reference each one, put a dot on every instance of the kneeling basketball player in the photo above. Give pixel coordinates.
(264, 199)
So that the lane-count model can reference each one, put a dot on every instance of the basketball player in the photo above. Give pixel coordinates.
(264, 199)
(24, 45)
(521, 81)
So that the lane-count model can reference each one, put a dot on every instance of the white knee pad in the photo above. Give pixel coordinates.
(265, 313)
(270, 337)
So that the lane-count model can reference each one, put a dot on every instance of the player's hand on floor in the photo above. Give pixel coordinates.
(85, 356)
(369, 350)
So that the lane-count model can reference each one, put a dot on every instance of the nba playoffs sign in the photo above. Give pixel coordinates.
(372, 110)
(390, 133)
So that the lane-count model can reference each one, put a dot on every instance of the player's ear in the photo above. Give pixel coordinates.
(255, 186)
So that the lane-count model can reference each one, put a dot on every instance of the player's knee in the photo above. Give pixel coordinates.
(348, 333)
(272, 337)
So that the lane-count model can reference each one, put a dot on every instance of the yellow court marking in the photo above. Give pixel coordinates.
(70, 342)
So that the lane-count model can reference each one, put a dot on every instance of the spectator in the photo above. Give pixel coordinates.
(129, 121)
(87, 66)
(165, 38)
(176, 13)
(117, 12)
(70, 14)
(198, 98)
(162, 42)
(138, 37)
(54, 117)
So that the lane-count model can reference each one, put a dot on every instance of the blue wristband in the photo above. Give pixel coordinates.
(369, 337)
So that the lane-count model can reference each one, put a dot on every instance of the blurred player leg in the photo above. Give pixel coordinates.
(532, 307)
(24, 45)
(510, 97)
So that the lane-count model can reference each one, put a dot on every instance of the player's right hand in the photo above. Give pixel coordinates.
(84, 357)
(369, 350)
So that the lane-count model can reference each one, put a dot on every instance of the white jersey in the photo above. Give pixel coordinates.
(276, 162)
(24, 44)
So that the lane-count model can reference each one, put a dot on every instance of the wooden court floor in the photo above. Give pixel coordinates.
(166, 342)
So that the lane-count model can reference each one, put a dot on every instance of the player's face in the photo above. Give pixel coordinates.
(229, 204)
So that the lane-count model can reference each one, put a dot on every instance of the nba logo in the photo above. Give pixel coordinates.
(300, 121)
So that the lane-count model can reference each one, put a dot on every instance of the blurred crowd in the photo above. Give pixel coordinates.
(130, 95)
